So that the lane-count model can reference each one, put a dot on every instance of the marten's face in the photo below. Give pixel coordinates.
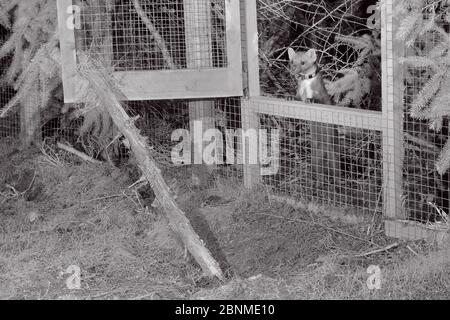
(302, 62)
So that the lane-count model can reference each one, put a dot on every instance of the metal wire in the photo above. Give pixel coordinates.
(158, 120)
(9, 125)
(336, 166)
(154, 35)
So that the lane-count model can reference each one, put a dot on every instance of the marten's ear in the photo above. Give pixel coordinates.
(312, 55)
(291, 53)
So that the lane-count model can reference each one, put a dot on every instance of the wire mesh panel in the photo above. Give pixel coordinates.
(9, 123)
(161, 49)
(154, 35)
(168, 126)
(346, 40)
(316, 160)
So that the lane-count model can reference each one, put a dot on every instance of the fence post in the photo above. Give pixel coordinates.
(393, 108)
(250, 119)
(197, 17)
(30, 122)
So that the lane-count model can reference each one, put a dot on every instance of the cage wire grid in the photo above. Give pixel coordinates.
(336, 50)
(320, 162)
(9, 124)
(158, 120)
(154, 35)
(331, 165)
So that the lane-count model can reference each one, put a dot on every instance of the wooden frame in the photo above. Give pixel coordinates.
(164, 84)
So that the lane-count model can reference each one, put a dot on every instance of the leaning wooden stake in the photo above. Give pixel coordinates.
(101, 88)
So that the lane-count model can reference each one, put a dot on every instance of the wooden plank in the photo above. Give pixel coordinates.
(413, 231)
(171, 84)
(355, 118)
(234, 50)
(68, 51)
(392, 97)
(252, 49)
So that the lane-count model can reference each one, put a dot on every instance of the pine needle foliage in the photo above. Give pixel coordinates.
(35, 70)
(425, 31)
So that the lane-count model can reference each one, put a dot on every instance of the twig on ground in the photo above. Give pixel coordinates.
(410, 249)
(51, 156)
(79, 154)
(30, 185)
(389, 247)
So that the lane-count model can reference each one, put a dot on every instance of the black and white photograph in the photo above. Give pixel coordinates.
(224, 156)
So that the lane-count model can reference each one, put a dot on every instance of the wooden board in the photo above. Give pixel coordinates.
(413, 231)
(355, 118)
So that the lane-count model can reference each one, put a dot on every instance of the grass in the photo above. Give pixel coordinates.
(81, 214)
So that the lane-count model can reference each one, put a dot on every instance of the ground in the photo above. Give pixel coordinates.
(57, 211)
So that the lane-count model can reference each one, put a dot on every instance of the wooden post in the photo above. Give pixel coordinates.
(250, 119)
(249, 146)
(30, 123)
(68, 48)
(197, 19)
(393, 108)
(251, 47)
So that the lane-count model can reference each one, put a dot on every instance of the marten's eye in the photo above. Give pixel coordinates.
(303, 63)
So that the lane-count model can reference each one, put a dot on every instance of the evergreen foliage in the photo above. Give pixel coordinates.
(35, 70)
(425, 31)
